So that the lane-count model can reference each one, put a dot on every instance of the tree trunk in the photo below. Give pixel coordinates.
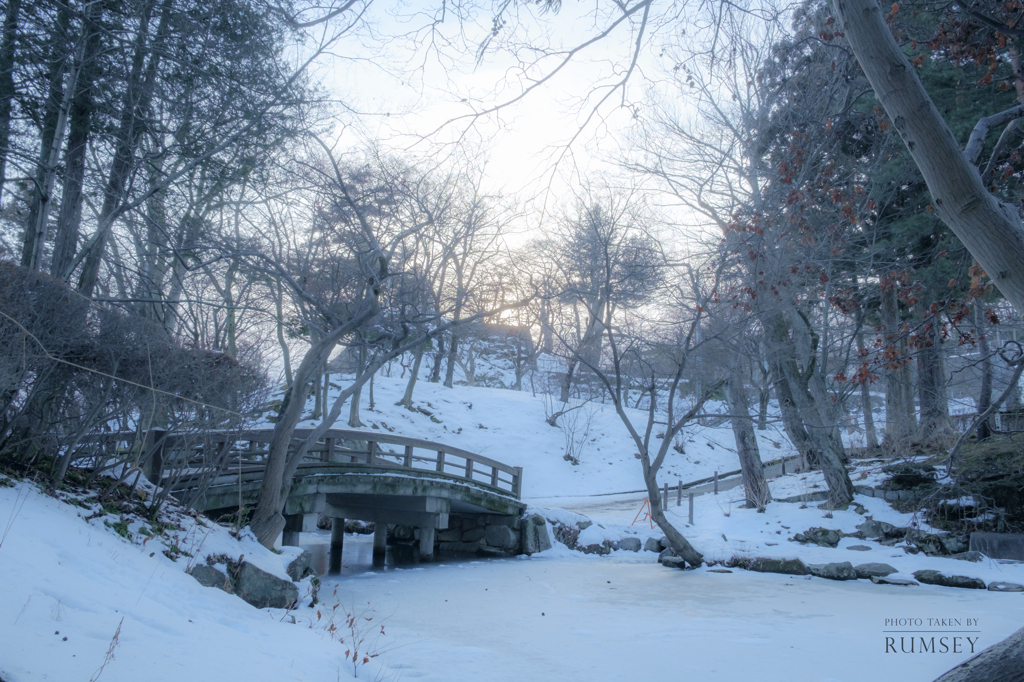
(791, 422)
(870, 433)
(936, 426)
(353, 409)
(69, 219)
(900, 420)
(54, 120)
(830, 452)
(406, 400)
(991, 230)
(268, 521)
(8, 41)
(135, 109)
(755, 488)
(435, 371)
(985, 398)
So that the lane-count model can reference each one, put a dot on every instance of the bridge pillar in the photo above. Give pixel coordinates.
(380, 540)
(337, 545)
(295, 524)
(426, 543)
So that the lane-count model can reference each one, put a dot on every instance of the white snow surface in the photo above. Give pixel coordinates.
(558, 615)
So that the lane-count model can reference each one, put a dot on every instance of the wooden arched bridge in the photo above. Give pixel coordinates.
(349, 474)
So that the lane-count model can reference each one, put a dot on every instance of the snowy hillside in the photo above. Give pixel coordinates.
(510, 426)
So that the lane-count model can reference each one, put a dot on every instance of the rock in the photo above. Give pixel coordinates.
(500, 536)
(449, 535)
(359, 527)
(208, 576)
(602, 549)
(301, 566)
(937, 578)
(968, 556)
(459, 547)
(879, 529)
(823, 537)
(719, 570)
(859, 548)
(672, 561)
(1005, 587)
(473, 534)
(665, 544)
(585, 524)
(627, 544)
(842, 570)
(535, 534)
(873, 570)
(765, 565)
(264, 590)
(937, 544)
(652, 545)
(884, 580)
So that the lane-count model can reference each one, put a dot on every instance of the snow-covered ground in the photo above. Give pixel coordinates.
(558, 615)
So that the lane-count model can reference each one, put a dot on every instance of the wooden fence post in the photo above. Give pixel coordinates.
(716, 482)
(691, 509)
(679, 493)
(783, 466)
(664, 497)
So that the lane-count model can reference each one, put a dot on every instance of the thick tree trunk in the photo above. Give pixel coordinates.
(936, 426)
(1001, 661)
(830, 452)
(755, 488)
(991, 230)
(791, 422)
(900, 420)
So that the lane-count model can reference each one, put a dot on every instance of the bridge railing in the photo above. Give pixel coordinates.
(184, 461)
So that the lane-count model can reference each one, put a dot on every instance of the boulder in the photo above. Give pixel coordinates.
(1005, 587)
(937, 544)
(627, 544)
(859, 548)
(208, 576)
(842, 570)
(885, 580)
(823, 537)
(937, 578)
(473, 534)
(301, 566)
(873, 570)
(535, 534)
(968, 556)
(449, 535)
(880, 530)
(500, 536)
(766, 565)
(263, 590)
(653, 545)
(669, 559)
(602, 549)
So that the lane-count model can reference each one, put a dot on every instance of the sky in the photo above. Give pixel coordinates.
(416, 89)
